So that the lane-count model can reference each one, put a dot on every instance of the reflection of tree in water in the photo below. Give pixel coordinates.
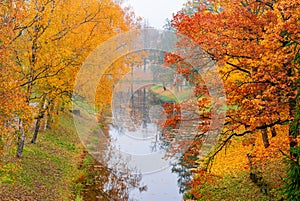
(184, 163)
(110, 178)
(110, 184)
(183, 140)
(140, 103)
(184, 174)
(142, 100)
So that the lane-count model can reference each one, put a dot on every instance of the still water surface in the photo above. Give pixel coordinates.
(162, 183)
(135, 146)
(142, 142)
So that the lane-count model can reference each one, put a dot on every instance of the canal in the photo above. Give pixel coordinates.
(134, 161)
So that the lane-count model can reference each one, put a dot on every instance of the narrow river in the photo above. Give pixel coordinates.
(140, 139)
(134, 160)
(160, 182)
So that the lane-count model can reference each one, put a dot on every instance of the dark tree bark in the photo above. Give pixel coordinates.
(36, 129)
(273, 131)
(265, 137)
(257, 179)
(21, 140)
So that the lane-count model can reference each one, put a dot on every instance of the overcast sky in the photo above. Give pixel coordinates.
(155, 11)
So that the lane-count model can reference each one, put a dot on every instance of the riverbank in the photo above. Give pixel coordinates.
(171, 95)
(52, 169)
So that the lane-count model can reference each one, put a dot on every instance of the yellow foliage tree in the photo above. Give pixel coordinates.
(47, 42)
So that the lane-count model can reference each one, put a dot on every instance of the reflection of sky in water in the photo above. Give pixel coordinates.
(162, 183)
(137, 136)
(139, 142)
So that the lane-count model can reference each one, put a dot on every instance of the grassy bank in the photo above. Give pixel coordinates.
(171, 96)
(52, 169)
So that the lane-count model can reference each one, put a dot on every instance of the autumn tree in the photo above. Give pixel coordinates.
(43, 44)
(255, 45)
(40, 58)
(15, 112)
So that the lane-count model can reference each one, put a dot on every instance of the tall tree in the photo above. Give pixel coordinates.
(54, 57)
(14, 111)
(255, 45)
(40, 54)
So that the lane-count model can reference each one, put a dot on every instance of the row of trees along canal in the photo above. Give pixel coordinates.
(255, 45)
(40, 58)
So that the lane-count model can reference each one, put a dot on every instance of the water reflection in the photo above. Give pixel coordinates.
(132, 151)
(108, 184)
(162, 184)
(141, 138)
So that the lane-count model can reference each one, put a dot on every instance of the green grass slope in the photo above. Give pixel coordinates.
(49, 170)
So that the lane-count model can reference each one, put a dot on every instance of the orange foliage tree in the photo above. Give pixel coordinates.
(255, 45)
(44, 43)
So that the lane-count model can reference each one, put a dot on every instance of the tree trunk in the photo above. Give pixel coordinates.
(273, 131)
(265, 137)
(257, 179)
(41, 115)
(36, 130)
(46, 123)
(21, 140)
